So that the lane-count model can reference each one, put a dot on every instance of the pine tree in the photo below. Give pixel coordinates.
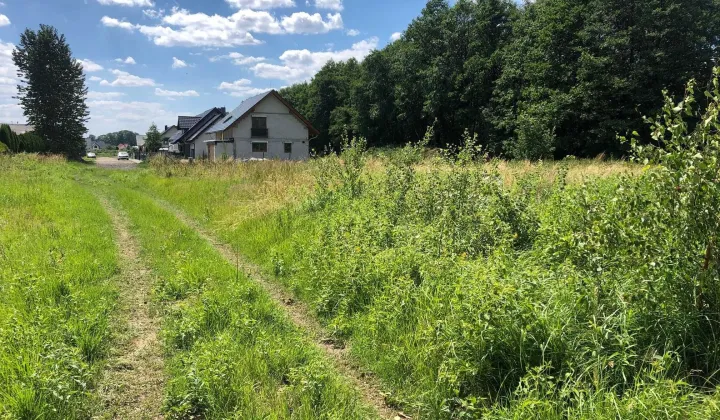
(53, 91)
(153, 141)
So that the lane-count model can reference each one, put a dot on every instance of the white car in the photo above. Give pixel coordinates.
(123, 155)
(91, 155)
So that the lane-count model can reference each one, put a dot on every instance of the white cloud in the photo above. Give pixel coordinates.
(241, 88)
(114, 23)
(125, 79)
(90, 66)
(104, 95)
(95, 79)
(128, 3)
(128, 60)
(175, 94)
(298, 65)
(260, 4)
(352, 32)
(154, 14)
(395, 36)
(178, 63)
(182, 28)
(4, 20)
(329, 4)
(238, 59)
(305, 23)
(10, 111)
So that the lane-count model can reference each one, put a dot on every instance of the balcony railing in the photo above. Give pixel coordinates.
(258, 132)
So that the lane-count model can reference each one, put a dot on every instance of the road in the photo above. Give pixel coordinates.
(113, 163)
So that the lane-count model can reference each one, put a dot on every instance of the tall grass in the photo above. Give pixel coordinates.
(232, 352)
(57, 257)
(508, 290)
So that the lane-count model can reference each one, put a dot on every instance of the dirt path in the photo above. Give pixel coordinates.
(132, 386)
(302, 317)
(113, 163)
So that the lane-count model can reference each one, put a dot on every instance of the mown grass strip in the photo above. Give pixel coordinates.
(133, 384)
(233, 353)
(57, 262)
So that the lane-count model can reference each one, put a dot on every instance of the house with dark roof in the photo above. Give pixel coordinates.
(167, 134)
(264, 126)
(192, 132)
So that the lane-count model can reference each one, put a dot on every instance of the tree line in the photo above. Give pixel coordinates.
(120, 137)
(549, 78)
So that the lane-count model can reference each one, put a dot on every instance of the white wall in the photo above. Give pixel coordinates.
(201, 150)
(283, 127)
(171, 132)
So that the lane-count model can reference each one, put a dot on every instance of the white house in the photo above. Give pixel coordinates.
(264, 126)
(140, 140)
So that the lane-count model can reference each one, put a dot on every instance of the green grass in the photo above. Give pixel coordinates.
(576, 289)
(57, 258)
(506, 290)
(232, 352)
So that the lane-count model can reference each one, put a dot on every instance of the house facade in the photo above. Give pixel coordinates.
(264, 126)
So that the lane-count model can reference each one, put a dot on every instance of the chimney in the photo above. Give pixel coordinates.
(165, 127)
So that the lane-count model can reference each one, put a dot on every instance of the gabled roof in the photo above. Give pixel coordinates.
(200, 126)
(203, 125)
(175, 138)
(168, 129)
(247, 107)
(186, 122)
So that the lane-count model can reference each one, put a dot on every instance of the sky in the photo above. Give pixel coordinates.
(151, 60)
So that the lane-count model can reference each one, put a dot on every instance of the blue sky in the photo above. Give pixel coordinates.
(152, 60)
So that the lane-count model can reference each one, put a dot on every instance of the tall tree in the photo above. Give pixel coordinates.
(578, 72)
(153, 141)
(53, 90)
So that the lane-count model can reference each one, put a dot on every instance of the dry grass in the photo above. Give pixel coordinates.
(240, 191)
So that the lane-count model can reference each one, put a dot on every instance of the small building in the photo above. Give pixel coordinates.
(167, 135)
(95, 145)
(264, 126)
(123, 146)
(192, 132)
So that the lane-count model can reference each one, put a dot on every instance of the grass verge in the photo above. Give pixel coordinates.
(57, 261)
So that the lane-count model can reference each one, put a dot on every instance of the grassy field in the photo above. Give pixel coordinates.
(502, 290)
(470, 288)
(57, 262)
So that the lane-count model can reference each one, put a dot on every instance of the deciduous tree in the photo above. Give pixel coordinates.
(53, 90)
(153, 141)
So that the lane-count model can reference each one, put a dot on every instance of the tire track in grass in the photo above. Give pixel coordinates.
(301, 315)
(132, 386)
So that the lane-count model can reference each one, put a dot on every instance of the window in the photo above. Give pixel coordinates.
(259, 127)
(288, 147)
(259, 122)
(259, 147)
